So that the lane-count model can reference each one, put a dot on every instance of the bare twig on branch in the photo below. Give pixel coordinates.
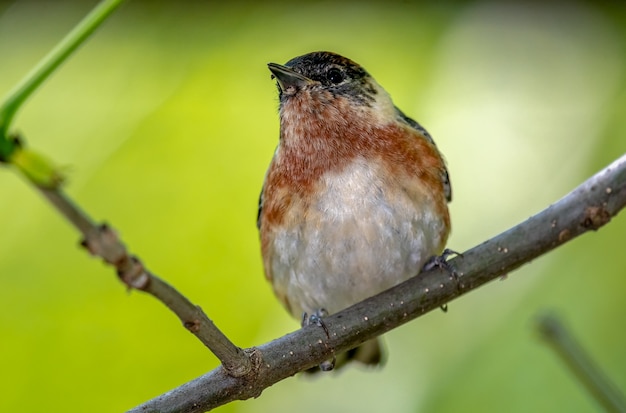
(103, 242)
(588, 207)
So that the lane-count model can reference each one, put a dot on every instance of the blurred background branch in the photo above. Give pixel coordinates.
(565, 345)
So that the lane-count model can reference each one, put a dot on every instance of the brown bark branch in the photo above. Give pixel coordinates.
(588, 207)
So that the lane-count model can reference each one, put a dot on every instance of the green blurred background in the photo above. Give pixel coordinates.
(167, 119)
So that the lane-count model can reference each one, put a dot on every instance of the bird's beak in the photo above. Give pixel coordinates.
(287, 78)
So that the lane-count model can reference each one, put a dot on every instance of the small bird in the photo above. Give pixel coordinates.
(355, 197)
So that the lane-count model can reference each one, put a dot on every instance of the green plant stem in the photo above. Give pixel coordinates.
(48, 64)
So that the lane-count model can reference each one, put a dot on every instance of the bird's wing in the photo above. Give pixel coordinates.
(258, 216)
(445, 176)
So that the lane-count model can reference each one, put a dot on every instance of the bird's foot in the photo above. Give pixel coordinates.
(316, 318)
(441, 261)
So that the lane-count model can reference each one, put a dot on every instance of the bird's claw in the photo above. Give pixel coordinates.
(316, 318)
(441, 261)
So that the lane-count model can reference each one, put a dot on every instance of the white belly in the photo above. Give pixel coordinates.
(356, 241)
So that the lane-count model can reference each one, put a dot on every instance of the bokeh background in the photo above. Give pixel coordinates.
(166, 120)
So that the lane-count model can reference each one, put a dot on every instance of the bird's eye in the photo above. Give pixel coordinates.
(335, 76)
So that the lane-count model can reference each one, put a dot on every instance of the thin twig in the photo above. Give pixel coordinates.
(103, 242)
(588, 207)
(580, 363)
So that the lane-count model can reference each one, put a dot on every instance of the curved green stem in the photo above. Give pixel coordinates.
(21, 92)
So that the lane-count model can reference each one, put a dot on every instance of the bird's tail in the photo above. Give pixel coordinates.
(369, 353)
